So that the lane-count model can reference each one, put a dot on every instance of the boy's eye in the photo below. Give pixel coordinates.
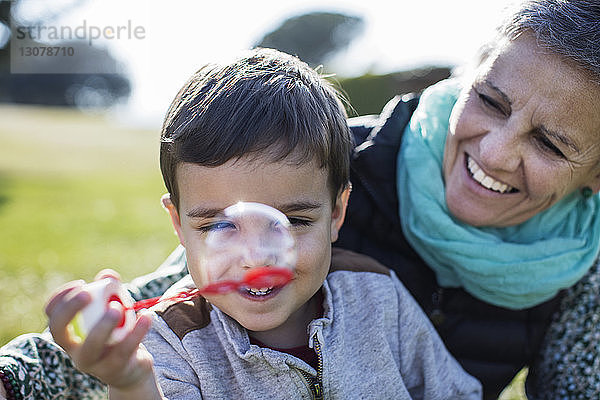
(216, 226)
(299, 222)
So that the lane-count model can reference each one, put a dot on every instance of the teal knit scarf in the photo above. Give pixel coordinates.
(514, 267)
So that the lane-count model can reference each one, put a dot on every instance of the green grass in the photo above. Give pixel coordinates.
(77, 194)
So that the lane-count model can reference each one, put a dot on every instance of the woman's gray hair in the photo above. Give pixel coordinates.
(570, 28)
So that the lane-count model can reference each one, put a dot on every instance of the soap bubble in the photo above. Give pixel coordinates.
(249, 245)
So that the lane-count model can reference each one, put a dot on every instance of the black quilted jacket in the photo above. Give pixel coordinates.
(492, 343)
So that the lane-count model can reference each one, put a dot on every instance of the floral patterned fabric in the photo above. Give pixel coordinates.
(569, 366)
(42, 370)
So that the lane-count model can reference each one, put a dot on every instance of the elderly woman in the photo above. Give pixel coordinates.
(482, 194)
(484, 199)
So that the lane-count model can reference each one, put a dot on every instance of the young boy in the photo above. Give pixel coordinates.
(267, 129)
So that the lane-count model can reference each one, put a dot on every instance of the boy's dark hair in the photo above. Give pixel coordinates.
(266, 104)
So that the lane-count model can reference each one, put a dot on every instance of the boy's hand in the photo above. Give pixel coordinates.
(125, 365)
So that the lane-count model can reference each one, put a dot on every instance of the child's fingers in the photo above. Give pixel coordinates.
(62, 313)
(95, 344)
(119, 364)
(135, 337)
(122, 353)
(60, 293)
(131, 355)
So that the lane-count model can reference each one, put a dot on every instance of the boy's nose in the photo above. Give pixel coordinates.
(260, 244)
(259, 256)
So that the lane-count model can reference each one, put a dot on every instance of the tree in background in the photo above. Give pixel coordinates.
(83, 90)
(369, 93)
(314, 37)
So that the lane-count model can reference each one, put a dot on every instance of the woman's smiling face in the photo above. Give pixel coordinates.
(524, 134)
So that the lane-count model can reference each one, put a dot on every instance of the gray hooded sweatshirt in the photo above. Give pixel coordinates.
(372, 342)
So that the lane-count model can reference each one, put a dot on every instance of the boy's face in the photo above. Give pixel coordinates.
(302, 193)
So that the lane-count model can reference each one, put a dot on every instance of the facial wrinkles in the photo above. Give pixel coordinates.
(511, 139)
(589, 150)
(501, 149)
(545, 204)
(500, 120)
(581, 156)
(580, 120)
(573, 89)
(527, 109)
(551, 119)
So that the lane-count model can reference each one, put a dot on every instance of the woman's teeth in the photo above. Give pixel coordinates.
(259, 292)
(486, 180)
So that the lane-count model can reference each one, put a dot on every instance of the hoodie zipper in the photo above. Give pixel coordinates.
(315, 383)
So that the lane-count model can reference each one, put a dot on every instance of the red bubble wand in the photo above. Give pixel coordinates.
(267, 276)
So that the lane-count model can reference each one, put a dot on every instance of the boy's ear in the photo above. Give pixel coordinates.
(339, 211)
(170, 207)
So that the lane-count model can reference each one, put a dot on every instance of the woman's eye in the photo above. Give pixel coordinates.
(491, 103)
(216, 226)
(548, 145)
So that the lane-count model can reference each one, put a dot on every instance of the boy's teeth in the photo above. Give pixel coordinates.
(485, 180)
(259, 292)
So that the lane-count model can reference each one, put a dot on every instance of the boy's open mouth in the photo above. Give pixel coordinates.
(259, 292)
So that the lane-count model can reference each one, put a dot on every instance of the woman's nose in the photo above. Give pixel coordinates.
(500, 149)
